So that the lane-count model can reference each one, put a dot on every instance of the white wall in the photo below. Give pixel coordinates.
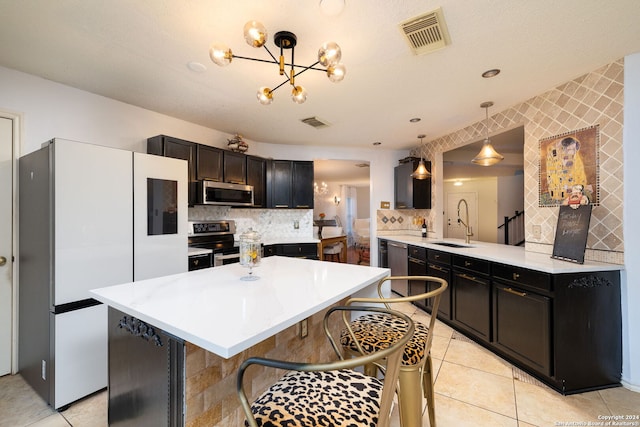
(510, 200)
(51, 110)
(486, 189)
(364, 200)
(631, 273)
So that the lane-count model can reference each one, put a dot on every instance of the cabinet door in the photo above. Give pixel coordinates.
(178, 149)
(209, 163)
(442, 272)
(411, 193)
(302, 184)
(472, 304)
(257, 176)
(522, 326)
(402, 189)
(235, 167)
(281, 184)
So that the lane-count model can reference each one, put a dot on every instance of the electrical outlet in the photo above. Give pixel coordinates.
(536, 230)
(304, 328)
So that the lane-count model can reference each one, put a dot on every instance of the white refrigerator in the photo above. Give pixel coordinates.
(86, 221)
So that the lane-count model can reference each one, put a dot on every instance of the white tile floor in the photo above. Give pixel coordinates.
(473, 388)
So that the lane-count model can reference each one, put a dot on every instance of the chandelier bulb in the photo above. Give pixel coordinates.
(336, 72)
(255, 34)
(220, 54)
(299, 94)
(265, 95)
(329, 54)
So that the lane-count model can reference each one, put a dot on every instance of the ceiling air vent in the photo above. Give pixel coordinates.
(427, 32)
(315, 122)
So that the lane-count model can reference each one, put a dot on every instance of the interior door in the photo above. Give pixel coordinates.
(453, 229)
(6, 243)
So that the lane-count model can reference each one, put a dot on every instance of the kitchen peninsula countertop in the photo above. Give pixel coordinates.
(213, 309)
(506, 254)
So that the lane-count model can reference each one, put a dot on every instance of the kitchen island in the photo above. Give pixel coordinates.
(559, 321)
(206, 322)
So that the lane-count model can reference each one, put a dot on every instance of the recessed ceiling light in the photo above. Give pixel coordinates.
(377, 143)
(491, 73)
(196, 67)
(415, 120)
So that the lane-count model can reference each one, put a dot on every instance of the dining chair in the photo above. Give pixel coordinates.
(416, 370)
(331, 393)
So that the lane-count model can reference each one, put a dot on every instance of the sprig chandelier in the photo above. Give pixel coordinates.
(255, 34)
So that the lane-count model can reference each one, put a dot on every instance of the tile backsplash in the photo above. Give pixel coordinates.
(402, 219)
(272, 224)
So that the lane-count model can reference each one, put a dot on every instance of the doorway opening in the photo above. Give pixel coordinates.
(342, 198)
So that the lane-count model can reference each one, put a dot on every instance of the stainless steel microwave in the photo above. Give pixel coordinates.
(222, 193)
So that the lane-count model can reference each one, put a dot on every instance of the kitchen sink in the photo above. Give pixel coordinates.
(452, 245)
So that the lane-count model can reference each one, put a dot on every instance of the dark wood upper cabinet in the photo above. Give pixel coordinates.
(234, 167)
(280, 184)
(176, 148)
(302, 184)
(209, 163)
(411, 193)
(291, 184)
(257, 176)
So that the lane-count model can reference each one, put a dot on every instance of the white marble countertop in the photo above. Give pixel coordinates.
(213, 309)
(198, 251)
(511, 255)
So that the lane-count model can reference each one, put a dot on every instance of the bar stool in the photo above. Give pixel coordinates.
(332, 252)
(331, 394)
(416, 370)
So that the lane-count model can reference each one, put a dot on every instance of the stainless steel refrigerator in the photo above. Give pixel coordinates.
(87, 219)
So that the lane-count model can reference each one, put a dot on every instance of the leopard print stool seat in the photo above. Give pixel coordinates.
(375, 331)
(333, 399)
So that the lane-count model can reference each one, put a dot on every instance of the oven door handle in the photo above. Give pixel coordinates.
(218, 259)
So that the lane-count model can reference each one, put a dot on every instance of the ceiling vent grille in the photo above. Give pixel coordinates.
(315, 122)
(426, 33)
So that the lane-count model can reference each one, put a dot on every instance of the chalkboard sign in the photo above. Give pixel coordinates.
(571, 233)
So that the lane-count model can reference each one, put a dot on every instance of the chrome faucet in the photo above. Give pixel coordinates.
(468, 232)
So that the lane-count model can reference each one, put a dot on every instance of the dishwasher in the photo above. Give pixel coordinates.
(397, 255)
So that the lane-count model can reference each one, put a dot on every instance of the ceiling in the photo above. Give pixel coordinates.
(138, 52)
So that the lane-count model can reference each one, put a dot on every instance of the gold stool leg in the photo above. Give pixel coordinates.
(427, 385)
(410, 396)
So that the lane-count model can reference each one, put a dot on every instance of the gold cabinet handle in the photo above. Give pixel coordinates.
(515, 276)
(511, 291)
(3, 261)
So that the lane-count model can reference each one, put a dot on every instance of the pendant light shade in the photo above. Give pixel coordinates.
(421, 171)
(488, 155)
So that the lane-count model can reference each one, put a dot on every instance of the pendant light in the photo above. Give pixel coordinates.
(487, 156)
(421, 171)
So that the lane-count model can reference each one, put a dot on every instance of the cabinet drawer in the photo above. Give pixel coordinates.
(472, 264)
(439, 257)
(522, 276)
(302, 250)
(418, 253)
(196, 262)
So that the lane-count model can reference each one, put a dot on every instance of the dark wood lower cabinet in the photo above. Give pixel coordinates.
(471, 304)
(564, 329)
(522, 326)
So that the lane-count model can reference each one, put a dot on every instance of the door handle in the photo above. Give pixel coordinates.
(3, 261)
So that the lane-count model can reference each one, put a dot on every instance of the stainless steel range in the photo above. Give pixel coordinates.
(215, 238)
